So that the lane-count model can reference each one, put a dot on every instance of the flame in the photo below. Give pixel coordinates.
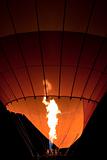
(48, 86)
(52, 111)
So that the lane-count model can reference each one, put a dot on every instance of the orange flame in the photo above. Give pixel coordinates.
(52, 111)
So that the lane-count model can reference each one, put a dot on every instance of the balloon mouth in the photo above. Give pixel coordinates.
(70, 121)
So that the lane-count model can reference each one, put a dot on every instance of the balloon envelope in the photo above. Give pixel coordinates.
(63, 42)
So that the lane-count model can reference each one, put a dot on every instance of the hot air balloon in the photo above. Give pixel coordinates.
(62, 42)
